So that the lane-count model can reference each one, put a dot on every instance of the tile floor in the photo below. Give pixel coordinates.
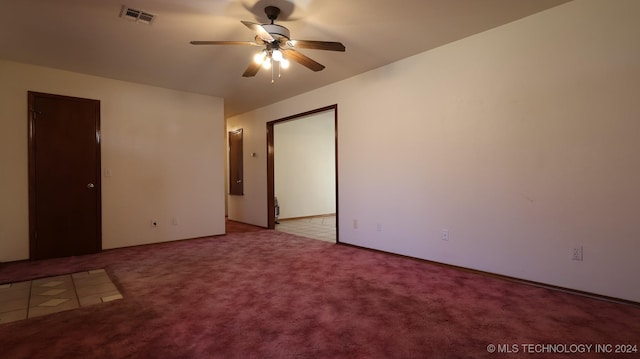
(321, 227)
(44, 296)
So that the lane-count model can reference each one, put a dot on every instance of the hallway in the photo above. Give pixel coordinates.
(320, 227)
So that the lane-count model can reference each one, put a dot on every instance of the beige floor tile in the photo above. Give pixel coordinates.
(90, 277)
(59, 282)
(53, 306)
(14, 296)
(92, 281)
(320, 228)
(15, 304)
(40, 296)
(51, 282)
(111, 297)
(95, 289)
(13, 316)
(37, 300)
(15, 291)
(54, 302)
(55, 294)
(15, 286)
(97, 298)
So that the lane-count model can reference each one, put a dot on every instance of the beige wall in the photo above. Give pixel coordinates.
(305, 165)
(522, 141)
(165, 150)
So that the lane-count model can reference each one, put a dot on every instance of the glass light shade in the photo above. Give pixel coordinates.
(266, 64)
(277, 55)
(259, 57)
(284, 63)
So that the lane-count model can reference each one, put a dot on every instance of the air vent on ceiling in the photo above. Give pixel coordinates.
(136, 15)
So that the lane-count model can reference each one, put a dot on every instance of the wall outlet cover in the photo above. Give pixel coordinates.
(578, 253)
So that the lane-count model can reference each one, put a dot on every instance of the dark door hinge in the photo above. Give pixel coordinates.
(35, 113)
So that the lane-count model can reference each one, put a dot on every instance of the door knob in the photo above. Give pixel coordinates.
(239, 181)
(90, 185)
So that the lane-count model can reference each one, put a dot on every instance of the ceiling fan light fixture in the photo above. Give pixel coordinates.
(275, 41)
(259, 57)
(267, 63)
(277, 55)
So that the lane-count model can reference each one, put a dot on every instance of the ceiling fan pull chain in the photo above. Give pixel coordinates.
(272, 70)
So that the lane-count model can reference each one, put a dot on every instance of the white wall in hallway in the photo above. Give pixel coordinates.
(304, 165)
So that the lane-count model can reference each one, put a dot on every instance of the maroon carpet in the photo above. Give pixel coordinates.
(267, 294)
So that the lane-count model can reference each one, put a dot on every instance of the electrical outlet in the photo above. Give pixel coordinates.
(577, 253)
(174, 221)
(154, 223)
(379, 227)
(444, 234)
(355, 224)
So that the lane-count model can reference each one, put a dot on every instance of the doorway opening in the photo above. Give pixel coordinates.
(302, 173)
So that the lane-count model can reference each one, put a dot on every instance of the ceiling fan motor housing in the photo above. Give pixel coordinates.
(279, 33)
(272, 12)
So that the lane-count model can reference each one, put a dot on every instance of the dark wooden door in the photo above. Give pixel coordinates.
(236, 177)
(64, 176)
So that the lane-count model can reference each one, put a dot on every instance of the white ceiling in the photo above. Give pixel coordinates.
(89, 36)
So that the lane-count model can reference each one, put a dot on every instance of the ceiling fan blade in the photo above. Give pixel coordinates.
(259, 30)
(251, 70)
(318, 45)
(302, 59)
(250, 43)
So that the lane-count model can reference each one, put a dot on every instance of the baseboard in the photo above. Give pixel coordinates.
(508, 278)
(307, 217)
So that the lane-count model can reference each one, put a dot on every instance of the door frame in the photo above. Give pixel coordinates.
(236, 162)
(32, 113)
(271, 215)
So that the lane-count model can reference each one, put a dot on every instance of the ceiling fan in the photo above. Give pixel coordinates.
(278, 46)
